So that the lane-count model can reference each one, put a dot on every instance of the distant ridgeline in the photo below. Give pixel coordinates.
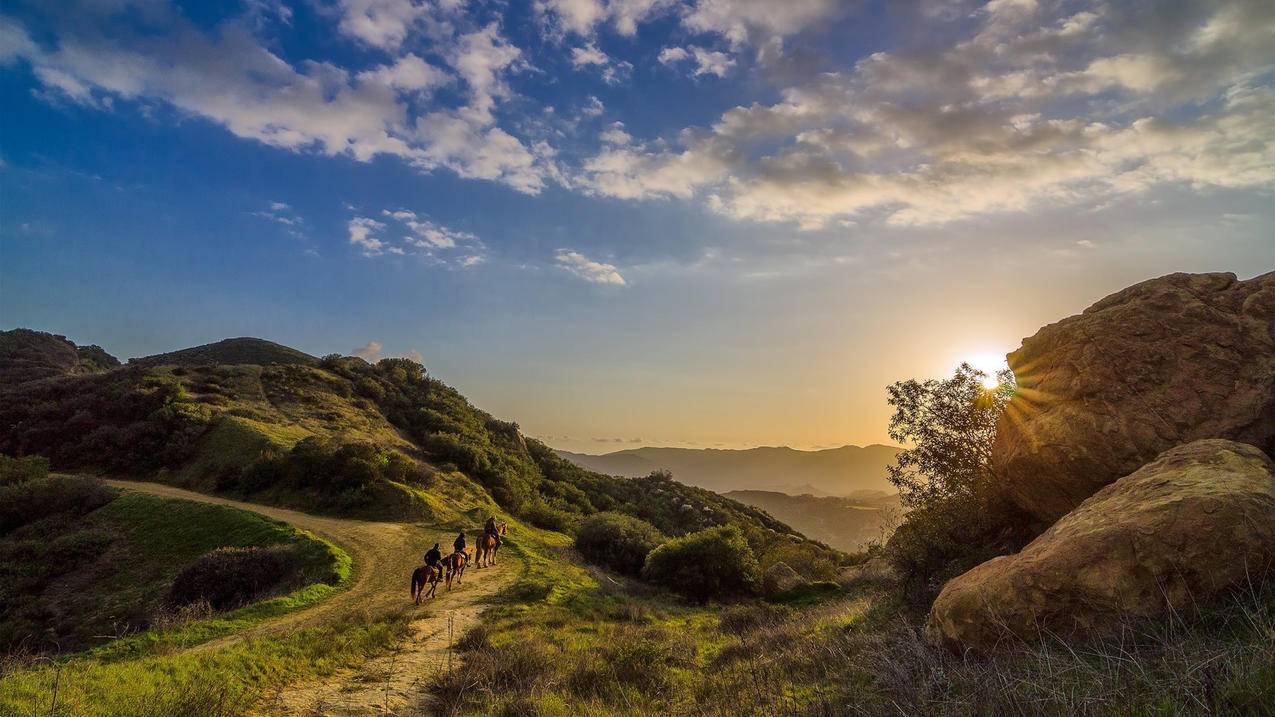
(254, 419)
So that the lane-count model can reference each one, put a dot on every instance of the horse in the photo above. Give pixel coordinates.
(420, 577)
(455, 564)
(487, 546)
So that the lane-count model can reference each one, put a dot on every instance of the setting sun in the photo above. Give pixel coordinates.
(990, 364)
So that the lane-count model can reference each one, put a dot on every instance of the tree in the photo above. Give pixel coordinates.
(957, 517)
(950, 425)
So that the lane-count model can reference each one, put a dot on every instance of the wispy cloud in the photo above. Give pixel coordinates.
(592, 271)
(369, 351)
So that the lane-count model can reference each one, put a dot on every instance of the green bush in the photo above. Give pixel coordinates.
(227, 578)
(18, 470)
(618, 541)
(713, 563)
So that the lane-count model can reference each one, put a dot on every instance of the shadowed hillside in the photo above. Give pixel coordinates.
(27, 355)
(244, 350)
(848, 524)
(836, 471)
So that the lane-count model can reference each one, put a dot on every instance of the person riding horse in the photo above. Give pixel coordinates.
(491, 529)
(459, 545)
(434, 559)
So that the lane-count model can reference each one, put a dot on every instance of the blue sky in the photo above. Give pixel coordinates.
(637, 222)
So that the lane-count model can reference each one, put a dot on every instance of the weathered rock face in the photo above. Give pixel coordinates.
(1178, 531)
(780, 578)
(1159, 364)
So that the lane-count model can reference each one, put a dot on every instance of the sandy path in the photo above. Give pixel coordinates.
(384, 556)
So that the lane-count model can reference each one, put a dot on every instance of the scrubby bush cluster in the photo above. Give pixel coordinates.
(712, 563)
(618, 541)
(331, 471)
(122, 420)
(42, 537)
(227, 578)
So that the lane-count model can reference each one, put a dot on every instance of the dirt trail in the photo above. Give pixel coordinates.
(384, 556)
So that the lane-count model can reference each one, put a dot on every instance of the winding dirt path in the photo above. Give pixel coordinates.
(384, 556)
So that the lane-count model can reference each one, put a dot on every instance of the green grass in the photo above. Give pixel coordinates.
(200, 684)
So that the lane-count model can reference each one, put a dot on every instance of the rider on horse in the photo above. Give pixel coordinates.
(491, 529)
(433, 559)
(459, 545)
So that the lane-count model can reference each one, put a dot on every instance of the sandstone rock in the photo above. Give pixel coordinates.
(1159, 364)
(780, 578)
(1177, 532)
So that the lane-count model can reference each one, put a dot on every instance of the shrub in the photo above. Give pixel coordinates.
(544, 515)
(230, 577)
(713, 563)
(620, 542)
(20, 470)
(67, 496)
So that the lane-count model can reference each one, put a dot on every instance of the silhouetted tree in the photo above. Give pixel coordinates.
(950, 425)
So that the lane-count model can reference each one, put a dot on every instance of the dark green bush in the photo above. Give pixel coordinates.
(618, 541)
(39, 498)
(18, 470)
(230, 577)
(712, 563)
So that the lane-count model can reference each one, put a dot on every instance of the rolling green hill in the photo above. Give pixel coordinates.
(343, 436)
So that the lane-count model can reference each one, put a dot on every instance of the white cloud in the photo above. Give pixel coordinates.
(738, 20)
(672, 55)
(707, 62)
(593, 107)
(231, 79)
(361, 230)
(592, 271)
(615, 134)
(1034, 107)
(369, 351)
(582, 17)
(590, 56)
(422, 237)
(409, 73)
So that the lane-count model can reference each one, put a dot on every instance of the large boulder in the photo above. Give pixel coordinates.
(1177, 532)
(779, 579)
(1159, 364)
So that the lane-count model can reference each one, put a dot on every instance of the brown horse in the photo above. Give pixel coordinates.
(422, 576)
(455, 564)
(487, 546)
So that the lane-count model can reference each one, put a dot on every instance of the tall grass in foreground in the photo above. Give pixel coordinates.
(607, 651)
(213, 683)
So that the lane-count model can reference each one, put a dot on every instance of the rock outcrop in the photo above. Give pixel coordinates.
(780, 578)
(1177, 532)
(1159, 364)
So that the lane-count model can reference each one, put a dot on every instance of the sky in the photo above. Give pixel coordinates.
(706, 223)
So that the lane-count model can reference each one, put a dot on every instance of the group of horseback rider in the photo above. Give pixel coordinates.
(434, 556)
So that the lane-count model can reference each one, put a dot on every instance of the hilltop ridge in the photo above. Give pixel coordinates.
(236, 351)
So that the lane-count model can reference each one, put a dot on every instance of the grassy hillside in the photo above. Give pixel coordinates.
(848, 524)
(27, 355)
(82, 563)
(835, 471)
(351, 438)
(244, 350)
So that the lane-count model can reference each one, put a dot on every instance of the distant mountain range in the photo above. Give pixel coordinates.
(832, 472)
(847, 524)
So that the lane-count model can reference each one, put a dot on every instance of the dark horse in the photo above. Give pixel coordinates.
(422, 576)
(487, 545)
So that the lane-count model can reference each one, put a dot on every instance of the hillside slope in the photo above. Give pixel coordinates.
(27, 355)
(243, 350)
(835, 471)
(847, 524)
(345, 437)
